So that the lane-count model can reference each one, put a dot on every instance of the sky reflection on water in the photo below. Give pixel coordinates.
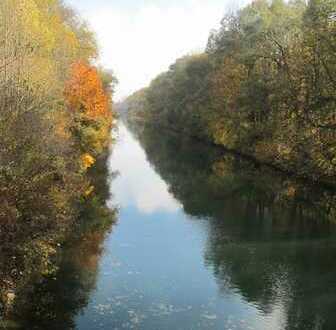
(137, 183)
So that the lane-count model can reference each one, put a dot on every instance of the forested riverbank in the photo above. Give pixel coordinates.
(196, 171)
(264, 86)
(55, 125)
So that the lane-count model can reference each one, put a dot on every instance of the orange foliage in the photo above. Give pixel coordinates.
(84, 91)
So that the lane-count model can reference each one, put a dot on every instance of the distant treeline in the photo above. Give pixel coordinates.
(55, 122)
(265, 86)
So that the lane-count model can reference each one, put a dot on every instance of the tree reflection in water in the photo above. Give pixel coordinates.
(271, 238)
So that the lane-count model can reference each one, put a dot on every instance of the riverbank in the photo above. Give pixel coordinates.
(33, 268)
(256, 88)
(138, 124)
(289, 187)
(56, 119)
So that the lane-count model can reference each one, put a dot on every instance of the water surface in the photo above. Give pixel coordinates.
(198, 246)
(203, 240)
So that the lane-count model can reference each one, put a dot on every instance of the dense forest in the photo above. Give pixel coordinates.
(265, 86)
(55, 122)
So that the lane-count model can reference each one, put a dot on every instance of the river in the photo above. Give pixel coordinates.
(200, 243)
(167, 267)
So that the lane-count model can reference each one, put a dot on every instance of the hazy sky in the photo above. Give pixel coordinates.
(140, 38)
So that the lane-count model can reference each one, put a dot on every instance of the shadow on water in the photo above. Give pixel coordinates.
(53, 299)
(271, 238)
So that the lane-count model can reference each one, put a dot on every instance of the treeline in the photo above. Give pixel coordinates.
(265, 86)
(55, 122)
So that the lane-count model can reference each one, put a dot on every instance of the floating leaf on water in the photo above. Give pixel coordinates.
(209, 316)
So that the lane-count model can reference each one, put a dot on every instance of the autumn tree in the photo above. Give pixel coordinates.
(84, 92)
(90, 105)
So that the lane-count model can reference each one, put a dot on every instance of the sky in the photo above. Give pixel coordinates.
(139, 39)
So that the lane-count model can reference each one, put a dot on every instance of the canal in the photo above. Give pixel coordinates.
(202, 240)
(192, 253)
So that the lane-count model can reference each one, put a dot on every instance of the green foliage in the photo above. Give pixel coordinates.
(178, 98)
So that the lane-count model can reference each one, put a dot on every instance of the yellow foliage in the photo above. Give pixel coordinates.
(61, 125)
(87, 161)
(89, 191)
(227, 82)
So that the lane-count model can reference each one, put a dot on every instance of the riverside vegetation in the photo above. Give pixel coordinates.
(55, 123)
(265, 86)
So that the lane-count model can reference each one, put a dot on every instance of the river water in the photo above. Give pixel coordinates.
(187, 258)
(201, 242)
